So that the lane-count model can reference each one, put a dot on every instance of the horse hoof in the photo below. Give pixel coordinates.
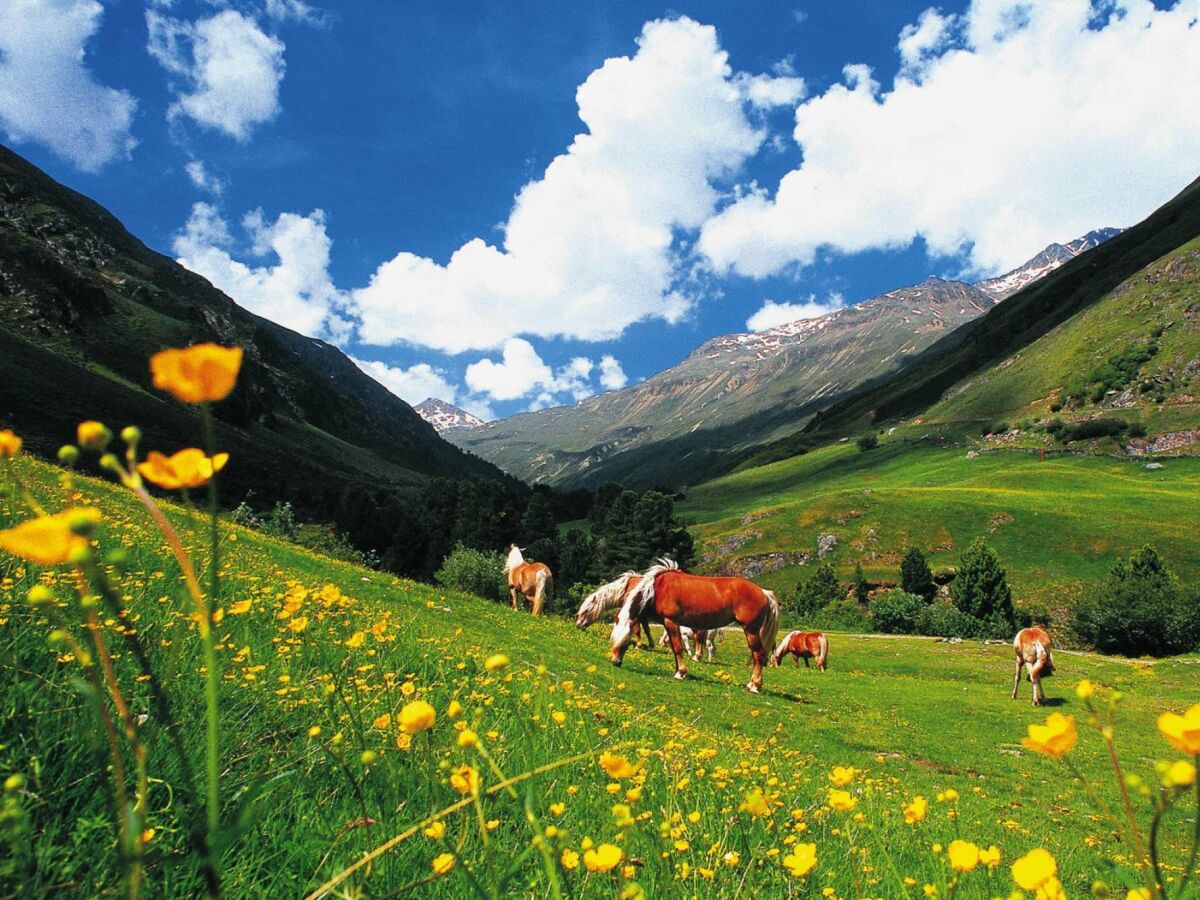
(681, 675)
(752, 688)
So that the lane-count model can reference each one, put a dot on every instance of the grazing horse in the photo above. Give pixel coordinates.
(530, 580)
(804, 645)
(695, 642)
(675, 598)
(609, 597)
(1032, 646)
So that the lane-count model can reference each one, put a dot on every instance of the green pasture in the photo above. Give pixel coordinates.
(914, 716)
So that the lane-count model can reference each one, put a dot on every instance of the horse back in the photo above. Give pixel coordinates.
(705, 602)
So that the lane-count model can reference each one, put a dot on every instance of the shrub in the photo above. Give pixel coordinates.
(819, 590)
(1136, 430)
(897, 612)
(1139, 610)
(915, 575)
(867, 442)
(980, 589)
(859, 585)
(842, 615)
(474, 572)
(945, 620)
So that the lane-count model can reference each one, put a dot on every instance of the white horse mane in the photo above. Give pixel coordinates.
(638, 600)
(514, 558)
(604, 599)
(779, 648)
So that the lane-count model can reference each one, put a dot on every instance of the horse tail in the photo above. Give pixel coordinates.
(822, 650)
(543, 590)
(770, 626)
(781, 648)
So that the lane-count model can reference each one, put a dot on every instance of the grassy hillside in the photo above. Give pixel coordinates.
(317, 660)
(1058, 524)
(1158, 308)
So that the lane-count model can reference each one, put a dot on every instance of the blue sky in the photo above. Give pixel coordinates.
(517, 205)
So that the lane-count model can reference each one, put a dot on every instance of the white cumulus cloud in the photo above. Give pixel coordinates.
(612, 376)
(590, 247)
(294, 291)
(412, 385)
(772, 314)
(203, 179)
(229, 67)
(1011, 126)
(47, 92)
(521, 372)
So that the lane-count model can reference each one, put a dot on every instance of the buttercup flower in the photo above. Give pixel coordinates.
(443, 863)
(93, 435)
(495, 662)
(188, 468)
(204, 373)
(1182, 732)
(10, 444)
(990, 857)
(842, 775)
(569, 859)
(802, 859)
(603, 858)
(755, 803)
(416, 717)
(1084, 689)
(915, 812)
(1054, 738)
(964, 856)
(1034, 869)
(615, 765)
(842, 801)
(49, 540)
(465, 780)
(1181, 774)
(435, 830)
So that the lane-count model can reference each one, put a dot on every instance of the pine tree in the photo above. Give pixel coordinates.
(915, 575)
(980, 588)
(861, 588)
(818, 591)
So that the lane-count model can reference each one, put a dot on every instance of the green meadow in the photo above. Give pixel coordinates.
(1058, 524)
(715, 789)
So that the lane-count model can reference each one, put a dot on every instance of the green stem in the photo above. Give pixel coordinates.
(211, 675)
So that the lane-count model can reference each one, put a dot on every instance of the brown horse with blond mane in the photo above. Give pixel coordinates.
(804, 645)
(1032, 647)
(674, 598)
(530, 580)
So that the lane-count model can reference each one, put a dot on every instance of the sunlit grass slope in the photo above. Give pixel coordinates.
(1058, 524)
(319, 658)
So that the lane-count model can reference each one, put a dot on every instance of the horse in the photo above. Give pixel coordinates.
(694, 642)
(530, 580)
(804, 645)
(1032, 646)
(609, 597)
(675, 598)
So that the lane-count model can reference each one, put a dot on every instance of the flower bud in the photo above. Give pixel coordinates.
(92, 435)
(368, 757)
(1133, 780)
(131, 434)
(109, 461)
(14, 783)
(39, 595)
(57, 636)
(68, 454)
(118, 558)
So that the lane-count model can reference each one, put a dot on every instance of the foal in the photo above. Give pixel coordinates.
(804, 645)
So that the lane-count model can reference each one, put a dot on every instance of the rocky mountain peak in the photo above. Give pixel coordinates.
(445, 416)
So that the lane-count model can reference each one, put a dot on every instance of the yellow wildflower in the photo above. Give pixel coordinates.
(615, 765)
(569, 859)
(495, 662)
(465, 780)
(557, 809)
(603, 858)
(355, 640)
(842, 775)
(240, 607)
(1034, 869)
(188, 468)
(842, 801)
(1084, 689)
(755, 803)
(732, 858)
(416, 717)
(50, 540)
(1054, 738)
(915, 812)
(443, 863)
(204, 373)
(1181, 774)
(298, 624)
(383, 721)
(435, 830)
(1182, 732)
(93, 435)
(1141, 893)
(468, 738)
(964, 856)
(454, 710)
(990, 857)
(10, 444)
(802, 859)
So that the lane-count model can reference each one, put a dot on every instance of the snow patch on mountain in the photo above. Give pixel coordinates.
(445, 416)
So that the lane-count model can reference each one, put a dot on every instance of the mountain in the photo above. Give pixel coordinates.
(84, 304)
(731, 394)
(1044, 263)
(1103, 278)
(740, 391)
(445, 416)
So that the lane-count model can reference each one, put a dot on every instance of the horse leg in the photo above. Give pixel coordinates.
(513, 592)
(806, 659)
(677, 647)
(795, 660)
(759, 655)
(1017, 679)
(698, 639)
